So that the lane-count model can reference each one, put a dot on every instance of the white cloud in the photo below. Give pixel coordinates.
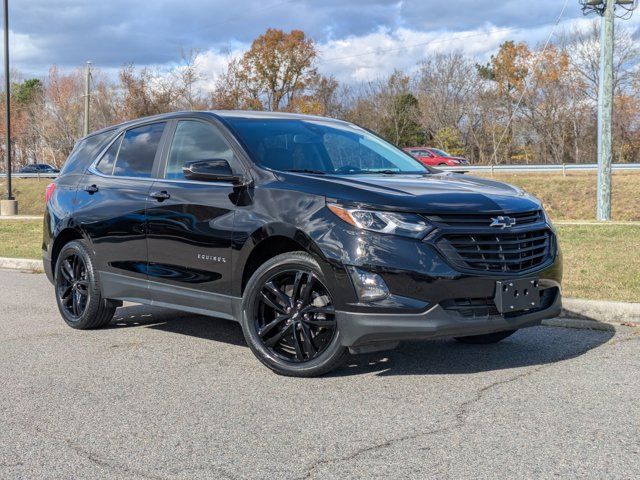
(23, 47)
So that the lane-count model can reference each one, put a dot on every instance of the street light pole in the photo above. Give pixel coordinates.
(7, 94)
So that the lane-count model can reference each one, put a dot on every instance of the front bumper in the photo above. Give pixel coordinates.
(363, 329)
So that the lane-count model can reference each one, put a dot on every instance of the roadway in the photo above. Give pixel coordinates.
(161, 394)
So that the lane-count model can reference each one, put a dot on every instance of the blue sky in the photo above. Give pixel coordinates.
(358, 40)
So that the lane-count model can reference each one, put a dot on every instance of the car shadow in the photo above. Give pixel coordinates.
(174, 321)
(527, 347)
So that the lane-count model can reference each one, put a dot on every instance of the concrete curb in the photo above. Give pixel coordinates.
(22, 264)
(15, 218)
(576, 312)
(600, 310)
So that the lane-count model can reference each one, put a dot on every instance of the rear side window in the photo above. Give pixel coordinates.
(85, 152)
(108, 160)
(138, 151)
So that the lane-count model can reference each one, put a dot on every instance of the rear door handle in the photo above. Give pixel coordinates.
(160, 196)
(91, 189)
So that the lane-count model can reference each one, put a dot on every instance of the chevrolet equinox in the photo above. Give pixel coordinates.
(318, 237)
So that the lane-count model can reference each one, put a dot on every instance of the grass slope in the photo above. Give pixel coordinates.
(566, 198)
(574, 197)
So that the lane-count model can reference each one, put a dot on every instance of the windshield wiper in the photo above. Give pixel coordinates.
(382, 172)
(305, 170)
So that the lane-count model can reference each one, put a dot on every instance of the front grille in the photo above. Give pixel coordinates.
(483, 219)
(508, 252)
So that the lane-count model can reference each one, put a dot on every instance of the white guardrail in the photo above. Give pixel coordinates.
(30, 175)
(579, 167)
(573, 167)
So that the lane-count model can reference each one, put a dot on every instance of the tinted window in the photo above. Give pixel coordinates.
(86, 151)
(108, 160)
(138, 150)
(321, 146)
(195, 141)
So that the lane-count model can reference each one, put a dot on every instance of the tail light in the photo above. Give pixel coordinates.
(49, 191)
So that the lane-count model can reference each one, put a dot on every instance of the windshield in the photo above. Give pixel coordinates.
(315, 146)
(440, 153)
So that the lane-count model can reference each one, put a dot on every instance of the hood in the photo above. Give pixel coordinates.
(431, 193)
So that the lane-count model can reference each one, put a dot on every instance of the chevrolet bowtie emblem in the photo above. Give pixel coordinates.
(502, 222)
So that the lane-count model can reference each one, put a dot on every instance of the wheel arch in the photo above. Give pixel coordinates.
(63, 237)
(269, 241)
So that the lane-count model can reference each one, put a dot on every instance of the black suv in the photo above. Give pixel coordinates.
(317, 236)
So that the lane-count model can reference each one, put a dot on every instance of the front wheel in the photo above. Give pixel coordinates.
(289, 319)
(486, 338)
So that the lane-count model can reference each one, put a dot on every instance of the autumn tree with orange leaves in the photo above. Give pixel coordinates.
(278, 72)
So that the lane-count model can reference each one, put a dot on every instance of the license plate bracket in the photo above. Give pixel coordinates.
(517, 295)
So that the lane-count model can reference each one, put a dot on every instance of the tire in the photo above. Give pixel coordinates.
(486, 338)
(77, 288)
(288, 318)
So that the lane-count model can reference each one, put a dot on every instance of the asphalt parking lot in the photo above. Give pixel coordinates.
(161, 394)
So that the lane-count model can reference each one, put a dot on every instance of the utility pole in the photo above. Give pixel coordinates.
(87, 97)
(606, 9)
(605, 113)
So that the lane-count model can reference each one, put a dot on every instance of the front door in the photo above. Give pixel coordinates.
(190, 223)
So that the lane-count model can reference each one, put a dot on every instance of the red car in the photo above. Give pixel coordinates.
(435, 157)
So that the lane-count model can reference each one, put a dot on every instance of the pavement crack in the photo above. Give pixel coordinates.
(385, 444)
(461, 415)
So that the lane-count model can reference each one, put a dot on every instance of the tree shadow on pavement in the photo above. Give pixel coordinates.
(527, 347)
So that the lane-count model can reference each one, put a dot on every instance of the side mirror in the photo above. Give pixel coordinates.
(214, 170)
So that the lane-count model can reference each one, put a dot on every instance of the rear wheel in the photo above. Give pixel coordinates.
(78, 290)
(486, 338)
(289, 317)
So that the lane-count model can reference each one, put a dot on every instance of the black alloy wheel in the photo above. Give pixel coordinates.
(289, 318)
(295, 316)
(78, 291)
(72, 286)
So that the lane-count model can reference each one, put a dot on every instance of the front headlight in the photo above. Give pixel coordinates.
(403, 224)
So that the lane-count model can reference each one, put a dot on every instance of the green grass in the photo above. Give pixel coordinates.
(600, 261)
(21, 239)
(29, 192)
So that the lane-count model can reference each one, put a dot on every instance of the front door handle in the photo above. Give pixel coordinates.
(160, 196)
(91, 189)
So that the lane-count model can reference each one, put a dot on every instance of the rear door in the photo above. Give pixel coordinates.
(190, 225)
(112, 200)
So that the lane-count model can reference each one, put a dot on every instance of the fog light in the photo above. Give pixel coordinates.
(369, 286)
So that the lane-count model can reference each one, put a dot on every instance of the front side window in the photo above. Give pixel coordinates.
(138, 151)
(195, 141)
(320, 146)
